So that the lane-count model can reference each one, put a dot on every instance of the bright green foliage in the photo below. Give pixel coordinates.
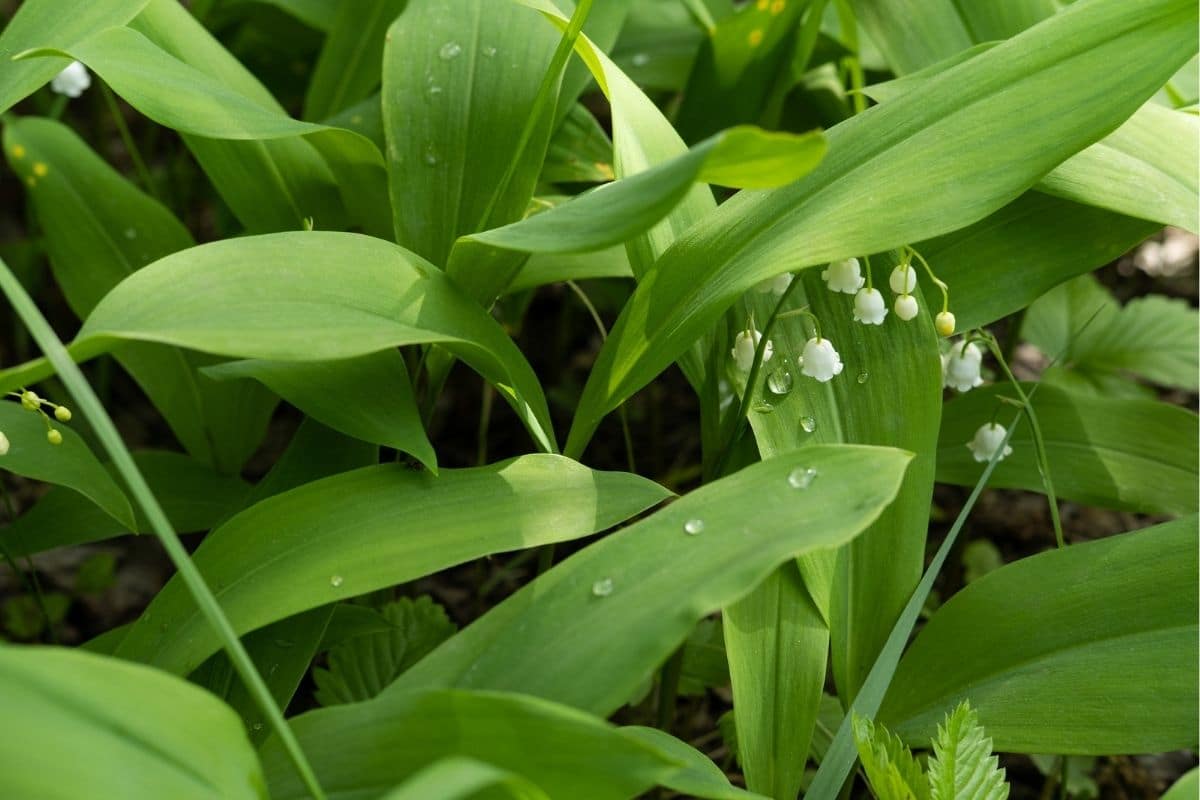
(892, 771)
(962, 766)
(362, 667)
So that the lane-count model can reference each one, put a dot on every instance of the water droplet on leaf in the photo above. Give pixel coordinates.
(489, 51)
(603, 587)
(780, 380)
(449, 51)
(431, 157)
(640, 59)
(693, 527)
(808, 424)
(801, 477)
(863, 376)
(130, 233)
(335, 581)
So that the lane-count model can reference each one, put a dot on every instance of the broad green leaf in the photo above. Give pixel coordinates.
(374, 527)
(350, 621)
(314, 452)
(545, 268)
(459, 82)
(120, 723)
(651, 582)
(369, 397)
(99, 229)
(962, 766)
(359, 747)
(579, 151)
(891, 770)
(281, 652)
(737, 67)
(1085, 650)
(1119, 453)
(362, 667)
(310, 296)
(40, 22)
(886, 165)
(193, 495)
(1153, 337)
(1009, 259)
(317, 14)
(461, 778)
(275, 184)
(777, 643)
(70, 464)
(1186, 787)
(699, 776)
(350, 64)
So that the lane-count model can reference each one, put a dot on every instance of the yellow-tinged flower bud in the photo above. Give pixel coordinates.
(30, 401)
(53, 436)
(62, 414)
(944, 322)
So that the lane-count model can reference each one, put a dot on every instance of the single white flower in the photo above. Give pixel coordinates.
(987, 441)
(776, 286)
(744, 345)
(820, 360)
(944, 322)
(960, 367)
(869, 307)
(3, 444)
(844, 276)
(72, 81)
(903, 279)
(905, 307)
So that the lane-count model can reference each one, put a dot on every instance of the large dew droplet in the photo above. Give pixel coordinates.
(780, 380)
(808, 424)
(693, 527)
(801, 477)
(603, 587)
(449, 51)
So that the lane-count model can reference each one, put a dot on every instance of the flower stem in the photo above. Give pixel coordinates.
(130, 145)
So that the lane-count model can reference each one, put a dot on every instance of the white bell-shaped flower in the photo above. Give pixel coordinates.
(906, 307)
(744, 346)
(844, 276)
(72, 81)
(820, 360)
(961, 366)
(3, 444)
(776, 286)
(869, 307)
(903, 280)
(987, 442)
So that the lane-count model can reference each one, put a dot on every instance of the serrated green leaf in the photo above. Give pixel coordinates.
(892, 771)
(360, 668)
(962, 766)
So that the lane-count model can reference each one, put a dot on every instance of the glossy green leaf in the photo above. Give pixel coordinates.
(350, 65)
(369, 397)
(1133, 454)
(566, 753)
(1103, 662)
(545, 268)
(882, 161)
(363, 530)
(70, 464)
(699, 776)
(1186, 787)
(121, 725)
(99, 229)
(461, 778)
(459, 82)
(653, 581)
(1154, 337)
(311, 296)
(314, 452)
(194, 496)
(40, 22)
(579, 151)
(361, 667)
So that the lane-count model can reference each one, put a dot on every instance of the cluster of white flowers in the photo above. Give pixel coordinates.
(869, 306)
(73, 81)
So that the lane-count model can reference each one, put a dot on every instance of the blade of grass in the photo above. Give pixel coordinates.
(87, 401)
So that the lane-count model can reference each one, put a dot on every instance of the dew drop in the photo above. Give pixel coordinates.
(693, 527)
(335, 581)
(780, 380)
(808, 423)
(801, 477)
(603, 587)
(432, 90)
(763, 408)
(640, 59)
(450, 51)
(258, 726)
(130, 233)
(431, 157)
(489, 51)
(863, 376)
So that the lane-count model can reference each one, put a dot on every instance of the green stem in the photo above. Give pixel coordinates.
(89, 405)
(130, 145)
(668, 688)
